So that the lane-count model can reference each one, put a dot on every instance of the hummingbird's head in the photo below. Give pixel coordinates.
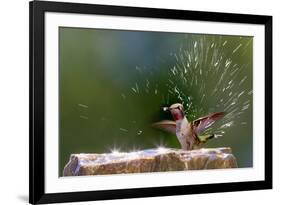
(176, 110)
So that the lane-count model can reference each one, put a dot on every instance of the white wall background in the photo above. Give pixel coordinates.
(14, 100)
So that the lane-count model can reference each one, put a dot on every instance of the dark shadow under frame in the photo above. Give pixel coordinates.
(37, 11)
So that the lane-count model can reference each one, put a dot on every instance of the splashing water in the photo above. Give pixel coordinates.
(83, 110)
(205, 79)
(212, 76)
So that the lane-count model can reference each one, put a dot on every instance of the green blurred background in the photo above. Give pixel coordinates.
(113, 84)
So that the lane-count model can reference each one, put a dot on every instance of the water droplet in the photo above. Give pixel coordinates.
(242, 81)
(245, 107)
(240, 94)
(237, 48)
(123, 96)
(227, 124)
(82, 105)
(84, 117)
(123, 129)
(195, 44)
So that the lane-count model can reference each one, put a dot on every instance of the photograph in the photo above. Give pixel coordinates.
(130, 102)
(148, 101)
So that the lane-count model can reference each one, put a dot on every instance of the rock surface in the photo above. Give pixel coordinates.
(150, 160)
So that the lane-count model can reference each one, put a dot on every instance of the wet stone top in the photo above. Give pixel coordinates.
(149, 160)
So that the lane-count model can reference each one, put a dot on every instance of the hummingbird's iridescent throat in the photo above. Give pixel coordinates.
(176, 110)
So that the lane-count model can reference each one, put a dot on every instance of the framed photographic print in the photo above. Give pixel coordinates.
(140, 102)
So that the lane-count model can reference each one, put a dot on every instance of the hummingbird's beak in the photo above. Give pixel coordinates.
(165, 108)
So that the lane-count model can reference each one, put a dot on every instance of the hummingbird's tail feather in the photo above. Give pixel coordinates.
(205, 138)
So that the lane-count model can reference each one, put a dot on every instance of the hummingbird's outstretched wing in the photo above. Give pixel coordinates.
(166, 125)
(203, 123)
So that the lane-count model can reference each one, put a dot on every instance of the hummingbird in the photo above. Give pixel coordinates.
(188, 133)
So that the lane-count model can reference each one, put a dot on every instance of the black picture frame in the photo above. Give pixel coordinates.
(37, 10)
